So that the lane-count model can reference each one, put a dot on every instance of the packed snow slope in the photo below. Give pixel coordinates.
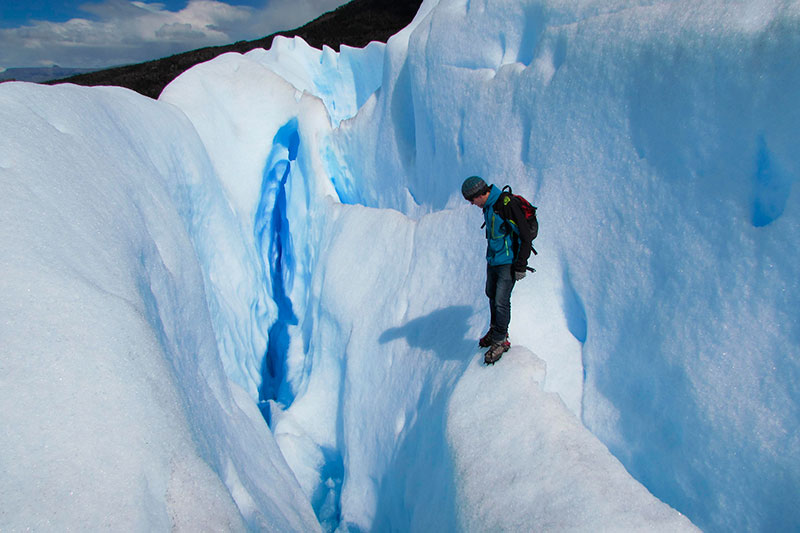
(116, 411)
(284, 230)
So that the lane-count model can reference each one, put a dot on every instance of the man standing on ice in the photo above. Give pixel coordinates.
(509, 246)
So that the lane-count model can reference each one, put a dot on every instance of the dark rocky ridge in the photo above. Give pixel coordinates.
(356, 24)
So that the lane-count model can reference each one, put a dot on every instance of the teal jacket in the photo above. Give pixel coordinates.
(500, 247)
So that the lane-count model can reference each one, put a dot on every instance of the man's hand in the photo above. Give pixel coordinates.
(518, 275)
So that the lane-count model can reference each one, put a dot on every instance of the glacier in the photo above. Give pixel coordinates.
(254, 303)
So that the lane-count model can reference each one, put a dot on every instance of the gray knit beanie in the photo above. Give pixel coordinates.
(473, 186)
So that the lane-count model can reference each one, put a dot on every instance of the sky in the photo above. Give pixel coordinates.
(86, 34)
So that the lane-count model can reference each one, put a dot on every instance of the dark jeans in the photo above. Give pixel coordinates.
(499, 283)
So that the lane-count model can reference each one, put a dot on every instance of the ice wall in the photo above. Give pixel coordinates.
(656, 139)
(115, 410)
(370, 320)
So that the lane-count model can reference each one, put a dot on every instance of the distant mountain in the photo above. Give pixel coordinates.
(40, 74)
(354, 24)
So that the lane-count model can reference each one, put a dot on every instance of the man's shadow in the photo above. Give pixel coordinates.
(443, 331)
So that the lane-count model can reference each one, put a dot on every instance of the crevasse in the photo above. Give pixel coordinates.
(658, 149)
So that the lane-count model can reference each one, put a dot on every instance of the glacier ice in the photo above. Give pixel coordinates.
(116, 410)
(284, 229)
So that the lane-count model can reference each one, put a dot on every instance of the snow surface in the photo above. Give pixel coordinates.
(116, 411)
(284, 230)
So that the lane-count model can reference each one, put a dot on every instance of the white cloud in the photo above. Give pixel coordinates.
(133, 31)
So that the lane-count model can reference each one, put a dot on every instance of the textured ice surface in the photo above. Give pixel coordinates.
(300, 244)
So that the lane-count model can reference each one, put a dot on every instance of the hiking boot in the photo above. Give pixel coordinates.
(497, 350)
(486, 340)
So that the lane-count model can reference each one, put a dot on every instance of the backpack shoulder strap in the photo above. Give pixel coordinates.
(501, 208)
(503, 201)
(505, 198)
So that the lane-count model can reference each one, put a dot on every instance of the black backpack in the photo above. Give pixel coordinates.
(530, 214)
